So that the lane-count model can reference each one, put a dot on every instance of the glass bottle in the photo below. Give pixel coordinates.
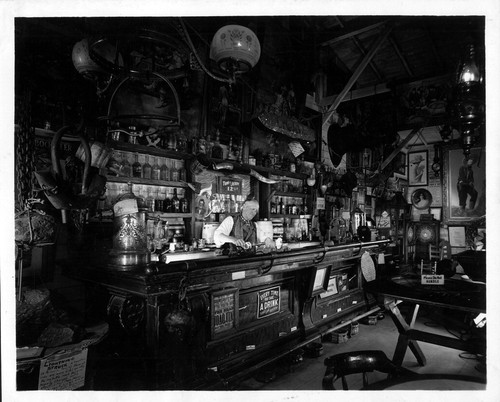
(184, 202)
(150, 200)
(182, 171)
(293, 208)
(167, 202)
(159, 198)
(217, 152)
(126, 166)
(155, 169)
(176, 207)
(281, 207)
(141, 197)
(136, 167)
(174, 173)
(164, 171)
(209, 145)
(273, 207)
(146, 168)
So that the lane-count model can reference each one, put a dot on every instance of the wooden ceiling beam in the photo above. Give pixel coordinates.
(353, 33)
(361, 48)
(357, 94)
(369, 55)
(400, 55)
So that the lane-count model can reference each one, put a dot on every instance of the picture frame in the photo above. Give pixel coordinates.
(319, 280)
(400, 166)
(224, 312)
(418, 166)
(457, 208)
(437, 213)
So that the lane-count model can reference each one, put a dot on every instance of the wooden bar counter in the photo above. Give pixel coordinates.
(201, 323)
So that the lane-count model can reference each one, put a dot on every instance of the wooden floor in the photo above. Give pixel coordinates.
(308, 374)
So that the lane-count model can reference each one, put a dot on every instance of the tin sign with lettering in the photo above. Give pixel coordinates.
(268, 302)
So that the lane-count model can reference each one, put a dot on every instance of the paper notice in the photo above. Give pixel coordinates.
(296, 148)
(63, 372)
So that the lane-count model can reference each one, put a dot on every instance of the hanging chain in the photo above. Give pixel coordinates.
(25, 155)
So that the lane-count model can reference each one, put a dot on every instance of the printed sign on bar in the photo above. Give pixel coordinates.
(268, 302)
(224, 308)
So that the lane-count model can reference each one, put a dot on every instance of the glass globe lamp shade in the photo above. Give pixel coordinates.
(235, 48)
(84, 63)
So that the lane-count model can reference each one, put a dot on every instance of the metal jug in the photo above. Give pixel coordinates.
(129, 234)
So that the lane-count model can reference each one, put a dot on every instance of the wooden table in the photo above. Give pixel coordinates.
(454, 295)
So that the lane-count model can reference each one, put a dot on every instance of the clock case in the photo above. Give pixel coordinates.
(418, 237)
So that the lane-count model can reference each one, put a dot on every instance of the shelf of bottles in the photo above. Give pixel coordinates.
(288, 197)
(156, 201)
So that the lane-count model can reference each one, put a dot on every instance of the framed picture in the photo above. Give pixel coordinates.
(400, 166)
(417, 168)
(421, 198)
(224, 311)
(319, 280)
(436, 212)
(464, 185)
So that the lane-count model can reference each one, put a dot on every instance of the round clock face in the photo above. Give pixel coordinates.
(410, 234)
(436, 167)
(425, 234)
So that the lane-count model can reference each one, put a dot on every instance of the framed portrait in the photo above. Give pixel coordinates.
(319, 280)
(400, 166)
(464, 185)
(418, 168)
(421, 198)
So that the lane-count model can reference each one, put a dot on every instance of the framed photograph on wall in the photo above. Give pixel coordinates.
(400, 166)
(464, 185)
(418, 168)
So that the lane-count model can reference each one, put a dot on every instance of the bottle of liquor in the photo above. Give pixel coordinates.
(209, 145)
(164, 171)
(293, 208)
(217, 152)
(184, 202)
(167, 202)
(273, 207)
(126, 166)
(182, 171)
(141, 197)
(146, 169)
(150, 200)
(281, 207)
(136, 167)
(159, 198)
(174, 173)
(155, 169)
(176, 205)
(305, 208)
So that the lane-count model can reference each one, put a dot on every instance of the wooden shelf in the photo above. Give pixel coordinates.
(139, 180)
(169, 214)
(291, 195)
(143, 149)
(307, 216)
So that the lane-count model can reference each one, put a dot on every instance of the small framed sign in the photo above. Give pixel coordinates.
(320, 277)
(269, 302)
(229, 185)
(224, 311)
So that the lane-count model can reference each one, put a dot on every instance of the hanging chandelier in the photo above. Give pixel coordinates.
(469, 99)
